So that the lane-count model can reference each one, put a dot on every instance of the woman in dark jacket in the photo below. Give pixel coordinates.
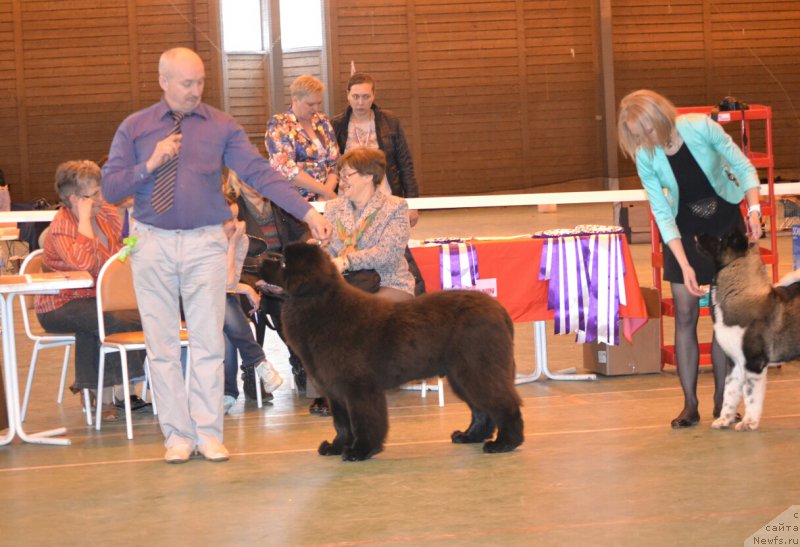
(364, 125)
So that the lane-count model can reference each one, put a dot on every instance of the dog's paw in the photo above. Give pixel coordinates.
(721, 423)
(494, 447)
(747, 425)
(461, 437)
(358, 454)
(328, 449)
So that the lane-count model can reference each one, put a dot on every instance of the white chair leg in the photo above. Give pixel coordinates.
(258, 388)
(63, 382)
(28, 386)
(99, 396)
(87, 406)
(423, 392)
(441, 392)
(259, 400)
(126, 390)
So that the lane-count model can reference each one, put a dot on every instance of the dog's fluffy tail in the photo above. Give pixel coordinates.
(788, 279)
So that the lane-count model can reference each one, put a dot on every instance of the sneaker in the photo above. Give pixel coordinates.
(214, 451)
(228, 402)
(270, 378)
(250, 386)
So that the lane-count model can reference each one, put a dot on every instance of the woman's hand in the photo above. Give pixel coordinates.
(754, 221)
(83, 207)
(252, 296)
(690, 281)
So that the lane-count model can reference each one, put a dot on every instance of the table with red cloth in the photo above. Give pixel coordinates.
(514, 263)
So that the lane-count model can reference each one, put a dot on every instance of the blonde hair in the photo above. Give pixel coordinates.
(304, 86)
(644, 110)
(231, 186)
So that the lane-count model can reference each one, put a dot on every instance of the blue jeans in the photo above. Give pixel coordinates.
(238, 336)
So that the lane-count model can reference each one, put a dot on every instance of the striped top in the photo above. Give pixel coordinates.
(67, 250)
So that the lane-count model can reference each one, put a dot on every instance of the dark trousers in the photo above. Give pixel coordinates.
(80, 316)
(238, 337)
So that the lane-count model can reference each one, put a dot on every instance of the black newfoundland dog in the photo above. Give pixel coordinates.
(356, 345)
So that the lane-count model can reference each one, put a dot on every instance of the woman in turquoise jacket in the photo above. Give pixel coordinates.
(695, 177)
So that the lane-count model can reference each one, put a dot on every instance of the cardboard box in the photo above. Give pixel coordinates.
(643, 357)
(634, 217)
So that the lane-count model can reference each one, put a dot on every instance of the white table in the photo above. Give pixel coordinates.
(10, 286)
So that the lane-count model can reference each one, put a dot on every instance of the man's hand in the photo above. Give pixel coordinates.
(164, 151)
(320, 227)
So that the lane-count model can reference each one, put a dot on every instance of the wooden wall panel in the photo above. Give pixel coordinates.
(70, 71)
(696, 53)
(756, 57)
(375, 36)
(495, 95)
(9, 121)
(297, 63)
(248, 93)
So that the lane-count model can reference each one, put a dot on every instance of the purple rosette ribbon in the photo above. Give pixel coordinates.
(586, 277)
(459, 265)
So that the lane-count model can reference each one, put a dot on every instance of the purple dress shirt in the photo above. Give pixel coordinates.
(211, 138)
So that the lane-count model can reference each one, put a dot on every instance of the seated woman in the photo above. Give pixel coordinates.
(370, 228)
(238, 336)
(82, 236)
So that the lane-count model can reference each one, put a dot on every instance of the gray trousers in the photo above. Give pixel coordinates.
(171, 267)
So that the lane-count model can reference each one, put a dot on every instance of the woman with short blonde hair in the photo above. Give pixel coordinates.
(304, 86)
(301, 143)
(695, 177)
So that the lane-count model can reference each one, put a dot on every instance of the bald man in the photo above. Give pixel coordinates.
(169, 156)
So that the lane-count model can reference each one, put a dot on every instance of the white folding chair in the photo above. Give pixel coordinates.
(439, 388)
(33, 263)
(114, 293)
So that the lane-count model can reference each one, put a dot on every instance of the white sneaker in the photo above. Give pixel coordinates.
(227, 403)
(269, 376)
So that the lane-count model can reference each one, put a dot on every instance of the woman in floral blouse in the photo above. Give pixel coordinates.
(301, 142)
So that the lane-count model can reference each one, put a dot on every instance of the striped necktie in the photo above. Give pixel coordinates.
(164, 189)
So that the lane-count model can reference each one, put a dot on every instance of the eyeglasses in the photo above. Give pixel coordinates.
(344, 176)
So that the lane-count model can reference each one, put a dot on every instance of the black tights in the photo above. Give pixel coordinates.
(687, 352)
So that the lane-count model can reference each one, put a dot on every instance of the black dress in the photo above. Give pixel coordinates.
(700, 211)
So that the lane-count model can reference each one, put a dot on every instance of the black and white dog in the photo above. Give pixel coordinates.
(755, 323)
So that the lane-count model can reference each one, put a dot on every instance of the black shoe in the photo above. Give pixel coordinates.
(249, 385)
(137, 403)
(685, 419)
(320, 407)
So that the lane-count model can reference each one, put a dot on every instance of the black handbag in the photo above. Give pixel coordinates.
(366, 280)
